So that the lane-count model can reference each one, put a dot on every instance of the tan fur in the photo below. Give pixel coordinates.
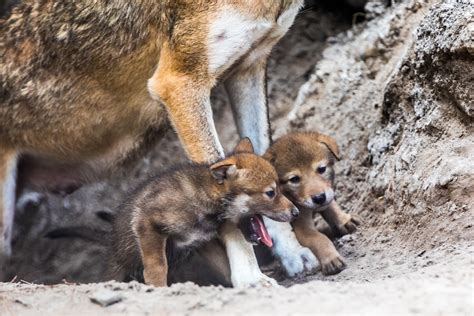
(300, 154)
(187, 206)
(323, 248)
(87, 86)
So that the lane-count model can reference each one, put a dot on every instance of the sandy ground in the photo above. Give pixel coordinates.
(425, 283)
(413, 254)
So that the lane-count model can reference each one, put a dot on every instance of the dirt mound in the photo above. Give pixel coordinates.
(396, 92)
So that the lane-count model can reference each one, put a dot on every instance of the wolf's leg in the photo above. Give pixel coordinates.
(248, 96)
(243, 263)
(186, 96)
(153, 251)
(8, 167)
(340, 222)
(247, 92)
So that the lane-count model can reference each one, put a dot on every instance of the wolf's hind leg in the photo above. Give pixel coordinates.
(8, 168)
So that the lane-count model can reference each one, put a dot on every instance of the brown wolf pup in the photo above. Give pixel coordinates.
(304, 162)
(186, 206)
(86, 86)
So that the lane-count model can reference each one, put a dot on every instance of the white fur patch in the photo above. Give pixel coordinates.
(195, 237)
(9, 205)
(150, 85)
(231, 35)
(240, 203)
(294, 257)
(286, 19)
(284, 22)
(329, 195)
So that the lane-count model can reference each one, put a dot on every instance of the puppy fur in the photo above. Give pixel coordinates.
(304, 162)
(184, 207)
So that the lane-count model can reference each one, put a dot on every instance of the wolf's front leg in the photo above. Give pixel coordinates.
(292, 255)
(247, 92)
(185, 92)
(248, 96)
(243, 263)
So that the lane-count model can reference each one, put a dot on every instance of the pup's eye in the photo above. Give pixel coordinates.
(270, 193)
(321, 169)
(294, 179)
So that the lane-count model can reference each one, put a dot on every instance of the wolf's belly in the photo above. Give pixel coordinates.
(64, 165)
(81, 125)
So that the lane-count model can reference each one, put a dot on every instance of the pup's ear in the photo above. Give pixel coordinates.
(224, 169)
(244, 146)
(269, 156)
(330, 144)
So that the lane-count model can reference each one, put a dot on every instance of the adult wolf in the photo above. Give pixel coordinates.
(86, 86)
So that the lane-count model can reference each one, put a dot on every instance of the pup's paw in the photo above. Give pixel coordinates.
(298, 260)
(349, 227)
(332, 265)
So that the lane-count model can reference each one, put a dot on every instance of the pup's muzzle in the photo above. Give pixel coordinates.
(319, 199)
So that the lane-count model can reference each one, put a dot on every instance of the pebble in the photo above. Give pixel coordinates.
(106, 297)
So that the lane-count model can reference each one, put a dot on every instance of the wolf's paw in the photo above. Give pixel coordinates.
(253, 279)
(332, 265)
(297, 260)
(266, 281)
(348, 227)
(294, 258)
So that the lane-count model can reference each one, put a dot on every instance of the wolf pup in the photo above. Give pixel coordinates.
(304, 162)
(187, 205)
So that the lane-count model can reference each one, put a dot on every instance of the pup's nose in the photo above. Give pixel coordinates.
(295, 212)
(319, 198)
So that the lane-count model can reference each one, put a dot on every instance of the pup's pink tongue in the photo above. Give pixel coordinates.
(259, 228)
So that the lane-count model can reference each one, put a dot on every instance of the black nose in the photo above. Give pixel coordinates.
(319, 198)
(295, 212)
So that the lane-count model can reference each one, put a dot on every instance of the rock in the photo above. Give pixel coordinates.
(106, 297)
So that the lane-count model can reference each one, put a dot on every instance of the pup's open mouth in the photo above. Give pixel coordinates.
(255, 231)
